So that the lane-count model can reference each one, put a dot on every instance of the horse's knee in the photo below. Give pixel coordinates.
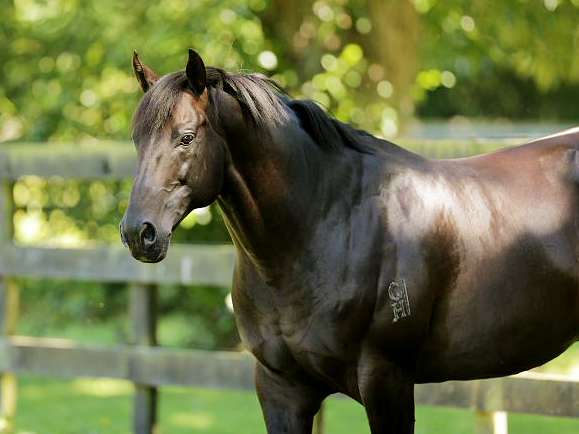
(287, 406)
(387, 394)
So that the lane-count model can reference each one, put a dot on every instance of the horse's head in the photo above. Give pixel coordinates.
(181, 159)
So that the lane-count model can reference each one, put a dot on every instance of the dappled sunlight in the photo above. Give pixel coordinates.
(102, 387)
(64, 213)
(574, 372)
(58, 212)
(197, 421)
(55, 231)
(200, 216)
(10, 128)
(29, 227)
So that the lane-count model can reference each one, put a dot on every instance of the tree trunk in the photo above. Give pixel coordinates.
(392, 42)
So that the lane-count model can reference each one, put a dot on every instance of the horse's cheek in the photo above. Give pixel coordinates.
(183, 173)
(205, 176)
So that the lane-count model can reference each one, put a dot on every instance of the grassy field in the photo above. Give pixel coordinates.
(102, 406)
(95, 406)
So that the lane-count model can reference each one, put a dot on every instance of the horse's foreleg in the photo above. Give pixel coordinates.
(287, 407)
(387, 393)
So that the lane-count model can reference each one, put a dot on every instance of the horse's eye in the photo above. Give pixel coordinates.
(187, 138)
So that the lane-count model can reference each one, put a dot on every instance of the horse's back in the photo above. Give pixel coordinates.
(497, 241)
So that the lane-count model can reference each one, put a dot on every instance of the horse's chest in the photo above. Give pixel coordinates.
(313, 331)
(324, 338)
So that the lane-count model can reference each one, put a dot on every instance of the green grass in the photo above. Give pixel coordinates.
(102, 406)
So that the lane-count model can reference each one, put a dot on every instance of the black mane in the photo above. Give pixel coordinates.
(262, 101)
(329, 133)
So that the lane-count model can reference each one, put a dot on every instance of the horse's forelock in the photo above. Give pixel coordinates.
(157, 104)
(259, 97)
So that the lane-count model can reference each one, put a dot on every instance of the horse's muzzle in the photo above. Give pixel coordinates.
(144, 240)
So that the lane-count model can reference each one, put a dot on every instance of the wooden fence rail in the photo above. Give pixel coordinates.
(149, 366)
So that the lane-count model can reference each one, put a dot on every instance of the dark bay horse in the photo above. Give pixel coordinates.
(361, 268)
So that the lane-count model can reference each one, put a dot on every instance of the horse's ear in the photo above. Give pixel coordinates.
(145, 76)
(196, 75)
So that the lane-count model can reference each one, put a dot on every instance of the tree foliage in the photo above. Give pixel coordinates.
(516, 59)
(66, 72)
(65, 64)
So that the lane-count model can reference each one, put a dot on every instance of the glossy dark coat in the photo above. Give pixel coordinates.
(362, 268)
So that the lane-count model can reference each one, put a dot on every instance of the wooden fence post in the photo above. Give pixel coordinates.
(489, 402)
(8, 311)
(143, 315)
(490, 422)
(8, 383)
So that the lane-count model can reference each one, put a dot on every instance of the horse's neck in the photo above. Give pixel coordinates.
(275, 189)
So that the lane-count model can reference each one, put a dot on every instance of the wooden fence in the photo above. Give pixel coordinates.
(149, 366)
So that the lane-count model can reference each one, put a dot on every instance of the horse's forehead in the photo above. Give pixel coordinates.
(187, 108)
(184, 109)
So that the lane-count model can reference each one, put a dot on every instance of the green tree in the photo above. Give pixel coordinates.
(515, 59)
(65, 64)
(357, 58)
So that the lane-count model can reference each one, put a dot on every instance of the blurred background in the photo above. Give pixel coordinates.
(403, 69)
(378, 64)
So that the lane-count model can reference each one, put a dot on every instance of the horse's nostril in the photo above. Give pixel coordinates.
(148, 234)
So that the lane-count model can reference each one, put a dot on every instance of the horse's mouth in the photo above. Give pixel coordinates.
(152, 252)
(150, 259)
